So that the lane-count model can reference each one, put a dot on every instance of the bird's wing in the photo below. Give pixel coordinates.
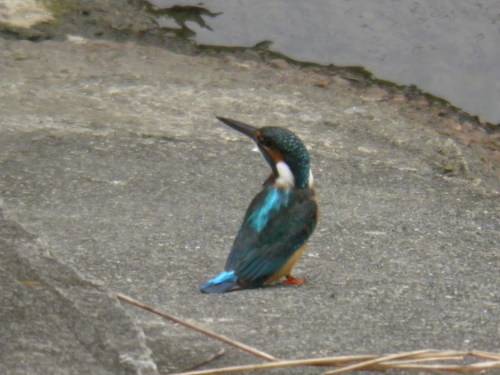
(260, 252)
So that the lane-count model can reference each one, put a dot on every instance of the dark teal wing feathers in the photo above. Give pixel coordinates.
(262, 248)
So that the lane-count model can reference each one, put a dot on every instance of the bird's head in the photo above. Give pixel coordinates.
(283, 150)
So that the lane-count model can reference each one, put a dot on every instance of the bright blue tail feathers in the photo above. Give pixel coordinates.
(222, 283)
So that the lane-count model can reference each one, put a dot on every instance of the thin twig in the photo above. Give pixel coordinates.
(216, 336)
(486, 355)
(327, 361)
(217, 355)
(375, 361)
(404, 362)
(408, 361)
(463, 369)
(280, 364)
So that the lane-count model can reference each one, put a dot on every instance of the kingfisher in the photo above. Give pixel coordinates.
(279, 220)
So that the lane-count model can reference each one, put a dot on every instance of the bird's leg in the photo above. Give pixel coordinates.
(290, 280)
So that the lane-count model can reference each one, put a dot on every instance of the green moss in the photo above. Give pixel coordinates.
(58, 7)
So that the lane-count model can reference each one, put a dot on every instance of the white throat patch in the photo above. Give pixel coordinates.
(310, 182)
(285, 176)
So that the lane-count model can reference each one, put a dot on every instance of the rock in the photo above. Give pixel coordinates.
(56, 322)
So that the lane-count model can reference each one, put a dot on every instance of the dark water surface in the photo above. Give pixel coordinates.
(448, 48)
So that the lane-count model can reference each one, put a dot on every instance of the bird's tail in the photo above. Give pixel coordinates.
(222, 283)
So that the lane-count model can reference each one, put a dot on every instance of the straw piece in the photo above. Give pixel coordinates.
(414, 360)
(206, 332)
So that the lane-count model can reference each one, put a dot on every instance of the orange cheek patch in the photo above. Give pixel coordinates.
(276, 156)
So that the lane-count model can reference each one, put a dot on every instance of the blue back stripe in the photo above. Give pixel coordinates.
(275, 200)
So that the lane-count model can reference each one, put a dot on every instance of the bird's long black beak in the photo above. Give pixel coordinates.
(240, 126)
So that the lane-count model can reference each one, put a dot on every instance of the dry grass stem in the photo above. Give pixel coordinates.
(415, 360)
(224, 339)
(214, 357)
(365, 364)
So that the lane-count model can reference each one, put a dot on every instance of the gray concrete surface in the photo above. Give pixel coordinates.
(112, 164)
(53, 320)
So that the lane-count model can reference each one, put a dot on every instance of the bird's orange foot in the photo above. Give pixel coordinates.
(290, 280)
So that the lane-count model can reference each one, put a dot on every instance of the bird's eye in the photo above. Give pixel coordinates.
(265, 141)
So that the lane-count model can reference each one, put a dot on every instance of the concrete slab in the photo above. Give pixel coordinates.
(111, 154)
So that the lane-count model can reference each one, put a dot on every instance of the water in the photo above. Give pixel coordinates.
(448, 48)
